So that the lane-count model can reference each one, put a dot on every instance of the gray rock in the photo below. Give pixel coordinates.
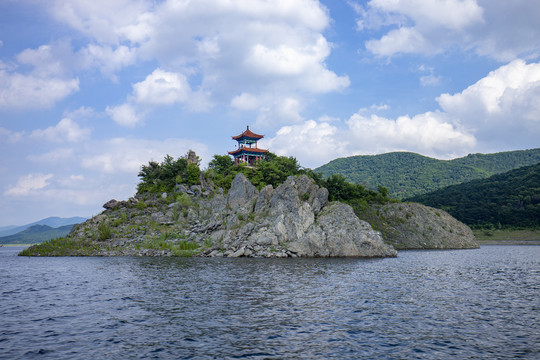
(416, 226)
(114, 204)
(242, 193)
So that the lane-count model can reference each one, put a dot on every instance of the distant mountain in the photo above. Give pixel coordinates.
(52, 221)
(36, 234)
(407, 174)
(511, 199)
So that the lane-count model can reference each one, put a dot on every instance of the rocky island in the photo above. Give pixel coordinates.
(294, 218)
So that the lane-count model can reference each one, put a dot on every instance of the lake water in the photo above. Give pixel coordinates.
(481, 303)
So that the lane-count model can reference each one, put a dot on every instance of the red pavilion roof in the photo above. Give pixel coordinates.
(249, 134)
(248, 149)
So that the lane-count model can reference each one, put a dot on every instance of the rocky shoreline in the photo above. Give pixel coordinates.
(294, 219)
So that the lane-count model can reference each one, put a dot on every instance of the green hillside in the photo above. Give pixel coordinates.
(407, 174)
(36, 234)
(511, 199)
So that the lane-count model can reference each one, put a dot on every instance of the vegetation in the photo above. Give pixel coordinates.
(61, 246)
(507, 236)
(182, 248)
(407, 174)
(163, 177)
(508, 200)
(274, 170)
(270, 170)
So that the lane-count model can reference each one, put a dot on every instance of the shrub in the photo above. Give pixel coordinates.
(104, 231)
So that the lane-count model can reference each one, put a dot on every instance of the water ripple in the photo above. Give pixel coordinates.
(424, 304)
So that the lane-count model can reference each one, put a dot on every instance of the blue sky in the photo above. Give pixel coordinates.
(92, 89)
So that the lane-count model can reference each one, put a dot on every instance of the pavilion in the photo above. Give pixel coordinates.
(247, 151)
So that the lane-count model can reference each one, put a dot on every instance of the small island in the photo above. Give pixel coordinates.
(257, 205)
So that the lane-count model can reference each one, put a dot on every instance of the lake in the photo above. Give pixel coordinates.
(481, 303)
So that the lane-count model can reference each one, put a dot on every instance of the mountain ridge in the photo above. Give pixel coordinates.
(509, 199)
(51, 221)
(36, 234)
(407, 174)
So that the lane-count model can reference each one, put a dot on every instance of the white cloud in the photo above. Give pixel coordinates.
(488, 95)
(208, 51)
(403, 40)
(427, 133)
(10, 137)
(503, 30)
(53, 157)
(106, 58)
(65, 130)
(315, 143)
(505, 103)
(312, 143)
(124, 115)
(121, 155)
(162, 88)
(430, 80)
(450, 14)
(245, 101)
(274, 110)
(105, 21)
(29, 184)
(29, 91)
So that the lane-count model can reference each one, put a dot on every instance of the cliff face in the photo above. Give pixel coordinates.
(415, 226)
(294, 219)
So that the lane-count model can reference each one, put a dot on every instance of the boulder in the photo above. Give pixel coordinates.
(114, 204)
(242, 193)
(416, 226)
(338, 232)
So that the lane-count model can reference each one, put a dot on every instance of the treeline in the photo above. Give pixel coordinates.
(508, 200)
(407, 174)
(271, 170)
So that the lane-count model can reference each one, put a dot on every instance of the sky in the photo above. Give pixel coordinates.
(90, 90)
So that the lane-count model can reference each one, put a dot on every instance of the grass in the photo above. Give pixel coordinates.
(104, 231)
(61, 246)
(182, 248)
(525, 236)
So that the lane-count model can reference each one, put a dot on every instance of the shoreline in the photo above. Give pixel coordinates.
(509, 242)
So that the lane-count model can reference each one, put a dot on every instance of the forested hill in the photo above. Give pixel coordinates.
(407, 174)
(511, 199)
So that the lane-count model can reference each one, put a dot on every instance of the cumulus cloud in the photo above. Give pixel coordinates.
(318, 142)
(504, 102)
(313, 143)
(29, 184)
(245, 101)
(162, 88)
(105, 21)
(427, 133)
(124, 115)
(499, 29)
(53, 157)
(121, 155)
(29, 91)
(498, 111)
(107, 58)
(10, 137)
(229, 47)
(65, 130)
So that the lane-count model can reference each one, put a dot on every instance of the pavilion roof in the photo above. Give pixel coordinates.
(248, 150)
(248, 134)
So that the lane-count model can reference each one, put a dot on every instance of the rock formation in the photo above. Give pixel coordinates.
(415, 226)
(293, 220)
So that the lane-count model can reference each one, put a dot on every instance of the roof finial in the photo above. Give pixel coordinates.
(248, 127)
